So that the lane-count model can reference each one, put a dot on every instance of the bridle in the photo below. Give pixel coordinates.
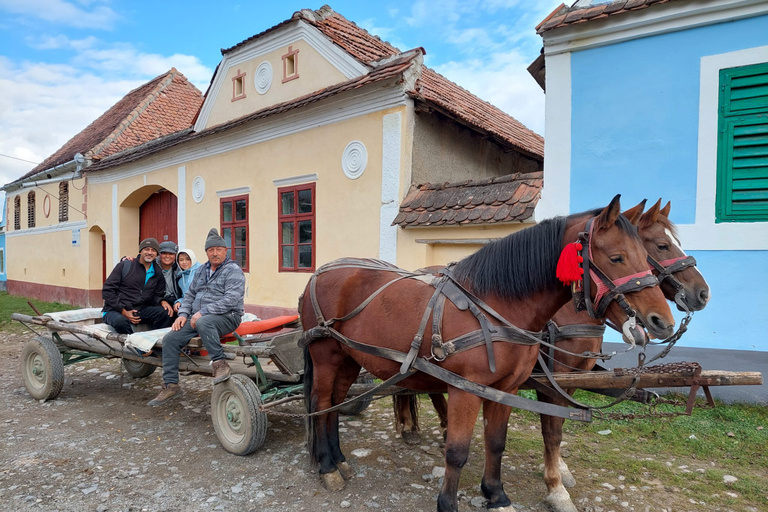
(666, 269)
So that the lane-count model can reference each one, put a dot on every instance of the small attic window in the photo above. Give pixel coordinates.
(290, 65)
(238, 86)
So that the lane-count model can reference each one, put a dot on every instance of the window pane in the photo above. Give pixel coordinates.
(240, 211)
(288, 256)
(286, 201)
(305, 256)
(240, 257)
(229, 253)
(305, 231)
(227, 236)
(305, 201)
(287, 232)
(240, 237)
(226, 212)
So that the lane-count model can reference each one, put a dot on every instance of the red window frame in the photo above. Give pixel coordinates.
(295, 218)
(232, 224)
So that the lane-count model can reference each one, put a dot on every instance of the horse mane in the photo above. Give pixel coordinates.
(524, 262)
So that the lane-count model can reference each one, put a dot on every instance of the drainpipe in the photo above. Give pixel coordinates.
(77, 161)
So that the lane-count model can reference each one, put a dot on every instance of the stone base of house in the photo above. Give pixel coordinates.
(3, 286)
(65, 295)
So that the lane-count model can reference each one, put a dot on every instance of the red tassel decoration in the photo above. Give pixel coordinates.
(569, 265)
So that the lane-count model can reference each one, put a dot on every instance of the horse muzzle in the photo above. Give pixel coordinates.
(633, 333)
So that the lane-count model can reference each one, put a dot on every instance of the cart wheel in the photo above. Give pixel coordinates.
(42, 368)
(240, 426)
(137, 369)
(358, 406)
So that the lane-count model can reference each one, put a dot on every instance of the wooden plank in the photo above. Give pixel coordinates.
(609, 380)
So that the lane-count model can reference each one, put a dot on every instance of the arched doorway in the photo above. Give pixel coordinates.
(158, 217)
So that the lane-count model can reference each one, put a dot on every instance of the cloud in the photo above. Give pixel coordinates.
(63, 13)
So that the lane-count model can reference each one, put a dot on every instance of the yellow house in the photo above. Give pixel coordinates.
(315, 140)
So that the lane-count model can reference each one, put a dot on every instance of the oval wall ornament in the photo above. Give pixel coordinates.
(198, 189)
(263, 77)
(354, 159)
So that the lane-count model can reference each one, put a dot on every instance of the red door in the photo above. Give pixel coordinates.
(157, 217)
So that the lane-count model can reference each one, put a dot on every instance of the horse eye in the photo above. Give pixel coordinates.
(617, 259)
(663, 247)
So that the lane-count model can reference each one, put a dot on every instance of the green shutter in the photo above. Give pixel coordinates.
(742, 166)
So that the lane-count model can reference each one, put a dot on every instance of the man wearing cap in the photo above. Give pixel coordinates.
(134, 291)
(211, 308)
(171, 270)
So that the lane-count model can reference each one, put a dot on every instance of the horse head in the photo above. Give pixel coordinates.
(679, 279)
(620, 285)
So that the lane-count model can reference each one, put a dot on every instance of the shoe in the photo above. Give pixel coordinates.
(169, 392)
(221, 371)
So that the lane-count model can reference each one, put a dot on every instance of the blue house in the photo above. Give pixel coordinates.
(669, 99)
(3, 273)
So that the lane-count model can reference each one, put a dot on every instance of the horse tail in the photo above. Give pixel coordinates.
(309, 422)
(406, 404)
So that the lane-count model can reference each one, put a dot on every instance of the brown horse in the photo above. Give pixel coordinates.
(680, 282)
(352, 303)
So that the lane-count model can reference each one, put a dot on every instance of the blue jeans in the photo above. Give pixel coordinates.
(155, 316)
(210, 328)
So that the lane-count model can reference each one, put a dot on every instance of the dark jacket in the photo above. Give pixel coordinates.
(174, 293)
(130, 292)
(221, 293)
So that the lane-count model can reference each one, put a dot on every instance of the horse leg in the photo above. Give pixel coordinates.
(441, 407)
(556, 473)
(462, 413)
(345, 377)
(496, 419)
(406, 418)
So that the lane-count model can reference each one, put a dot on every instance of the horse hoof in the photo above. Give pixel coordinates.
(560, 501)
(345, 470)
(333, 481)
(565, 475)
(411, 438)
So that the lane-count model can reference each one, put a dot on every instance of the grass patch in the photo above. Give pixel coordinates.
(10, 304)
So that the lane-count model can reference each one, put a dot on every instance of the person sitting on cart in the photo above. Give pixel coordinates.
(211, 307)
(133, 293)
(188, 265)
(171, 271)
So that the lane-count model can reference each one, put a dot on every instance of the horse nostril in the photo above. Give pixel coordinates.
(704, 296)
(659, 325)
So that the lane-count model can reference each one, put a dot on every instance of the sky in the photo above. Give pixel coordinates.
(63, 63)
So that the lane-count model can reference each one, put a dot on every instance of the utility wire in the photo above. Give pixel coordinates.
(16, 158)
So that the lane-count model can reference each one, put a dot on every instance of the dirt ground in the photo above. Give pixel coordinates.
(98, 447)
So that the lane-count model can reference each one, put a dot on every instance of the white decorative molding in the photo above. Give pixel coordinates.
(295, 180)
(705, 234)
(115, 227)
(63, 226)
(239, 191)
(358, 102)
(181, 209)
(198, 189)
(556, 194)
(354, 159)
(660, 19)
(262, 79)
(390, 185)
(267, 43)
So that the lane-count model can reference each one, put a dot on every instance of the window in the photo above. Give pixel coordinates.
(31, 209)
(63, 201)
(296, 231)
(234, 228)
(742, 155)
(2, 262)
(17, 212)
(290, 65)
(238, 86)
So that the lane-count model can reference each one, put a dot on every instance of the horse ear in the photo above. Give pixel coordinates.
(633, 214)
(652, 215)
(665, 211)
(610, 213)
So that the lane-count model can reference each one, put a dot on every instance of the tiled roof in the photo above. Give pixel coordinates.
(164, 105)
(387, 70)
(507, 198)
(433, 88)
(582, 12)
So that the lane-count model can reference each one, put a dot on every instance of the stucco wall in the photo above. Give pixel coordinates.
(315, 73)
(446, 152)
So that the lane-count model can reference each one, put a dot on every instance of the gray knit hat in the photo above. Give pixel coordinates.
(214, 240)
(168, 246)
(150, 242)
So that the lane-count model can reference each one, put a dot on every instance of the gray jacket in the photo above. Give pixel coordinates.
(222, 293)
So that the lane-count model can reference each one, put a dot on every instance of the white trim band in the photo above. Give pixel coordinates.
(239, 191)
(295, 180)
(64, 226)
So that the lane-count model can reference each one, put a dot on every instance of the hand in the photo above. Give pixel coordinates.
(167, 307)
(194, 319)
(177, 306)
(132, 316)
(179, 323)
